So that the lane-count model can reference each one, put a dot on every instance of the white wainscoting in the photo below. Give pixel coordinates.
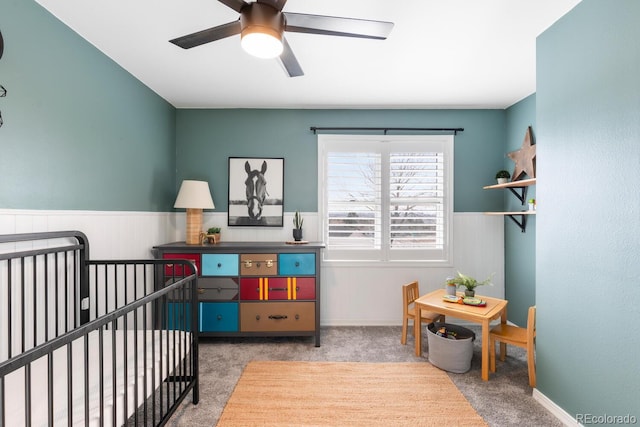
(351, 294)
(112, 235)
(371, 295)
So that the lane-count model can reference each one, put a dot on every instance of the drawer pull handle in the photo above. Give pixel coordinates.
(257, 317)
(297, 263)
(248, 263)
(219, 265)
(219, 316)
(277, 289)
(278, 316)
(297, 317)
(201, 290)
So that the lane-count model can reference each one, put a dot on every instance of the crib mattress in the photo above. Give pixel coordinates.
(151, 366)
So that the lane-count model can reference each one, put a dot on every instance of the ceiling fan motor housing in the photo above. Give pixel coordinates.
(259, 17)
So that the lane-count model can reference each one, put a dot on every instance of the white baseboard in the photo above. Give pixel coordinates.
(554, 409)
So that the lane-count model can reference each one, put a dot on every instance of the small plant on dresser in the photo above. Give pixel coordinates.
(297, 226)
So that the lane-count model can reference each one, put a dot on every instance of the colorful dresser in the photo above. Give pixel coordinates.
(253, 288)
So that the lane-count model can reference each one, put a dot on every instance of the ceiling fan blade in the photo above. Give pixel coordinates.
(208, 35)
(276, 4)
(336, 26)
(236, 5)
(289, 61)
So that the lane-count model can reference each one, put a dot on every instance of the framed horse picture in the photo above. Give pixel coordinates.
(256, 191)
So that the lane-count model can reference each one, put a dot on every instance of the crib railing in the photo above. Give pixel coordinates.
(41, 282)
(54, 299)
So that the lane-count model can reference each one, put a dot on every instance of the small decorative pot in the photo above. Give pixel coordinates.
(451, 290)
(503, 180)
(469, 293)
(213, 238)
(297, 234)
(532, 206)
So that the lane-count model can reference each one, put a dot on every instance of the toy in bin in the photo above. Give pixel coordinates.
(443, 332)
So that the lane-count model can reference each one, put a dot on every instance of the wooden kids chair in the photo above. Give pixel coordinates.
(410, 293)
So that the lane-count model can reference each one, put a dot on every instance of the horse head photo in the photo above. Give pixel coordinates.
(256, 189)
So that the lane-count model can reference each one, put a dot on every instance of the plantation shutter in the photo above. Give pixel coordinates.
(416, 199)
(385, 198)
(354, 200)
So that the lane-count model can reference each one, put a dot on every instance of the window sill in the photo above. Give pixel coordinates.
(386, 264)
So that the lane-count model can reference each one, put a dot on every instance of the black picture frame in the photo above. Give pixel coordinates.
(256, 192)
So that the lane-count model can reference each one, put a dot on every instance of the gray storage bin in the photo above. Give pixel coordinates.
(452, 355)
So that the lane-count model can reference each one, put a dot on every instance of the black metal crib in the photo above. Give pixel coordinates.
(88, 342)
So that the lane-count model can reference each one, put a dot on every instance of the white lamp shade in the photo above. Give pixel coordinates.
(194, 195)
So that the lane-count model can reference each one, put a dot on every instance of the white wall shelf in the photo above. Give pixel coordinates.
(513, 186)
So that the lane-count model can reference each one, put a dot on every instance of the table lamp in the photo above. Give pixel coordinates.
(194, 196)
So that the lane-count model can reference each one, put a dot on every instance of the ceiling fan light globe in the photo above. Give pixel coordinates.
(261, 44)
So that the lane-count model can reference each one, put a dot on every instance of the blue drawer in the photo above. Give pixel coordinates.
(178, 316)
(218, 317)
(297, 264)
(219, 264)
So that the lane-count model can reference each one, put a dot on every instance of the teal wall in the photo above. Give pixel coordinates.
(519, 247)
(206, 138)
(79, 132)
(588, 224)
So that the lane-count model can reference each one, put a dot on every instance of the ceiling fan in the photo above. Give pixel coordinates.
(262, 23)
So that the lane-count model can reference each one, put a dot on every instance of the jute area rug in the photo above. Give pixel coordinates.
(271, 393)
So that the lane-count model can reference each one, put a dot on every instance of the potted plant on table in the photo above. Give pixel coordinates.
(213, 235)
(297, 226)
(503, 176)
(469, 283)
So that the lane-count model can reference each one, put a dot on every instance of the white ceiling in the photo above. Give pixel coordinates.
(440, 54)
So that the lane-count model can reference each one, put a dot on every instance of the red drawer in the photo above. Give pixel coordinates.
(277, 288)
(171, 269)
(253, 288)
(303, 288)
(264, 288)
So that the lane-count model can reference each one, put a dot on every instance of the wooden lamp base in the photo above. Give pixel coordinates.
(194, 226)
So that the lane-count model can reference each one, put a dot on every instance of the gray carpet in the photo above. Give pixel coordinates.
(505, 400)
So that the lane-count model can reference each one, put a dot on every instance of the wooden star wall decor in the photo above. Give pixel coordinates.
(525, 158)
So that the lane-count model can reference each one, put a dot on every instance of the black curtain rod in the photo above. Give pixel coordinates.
(455, 131)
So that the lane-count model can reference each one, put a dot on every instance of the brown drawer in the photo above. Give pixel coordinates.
(218, 289)
(277, 316)
(258, 264)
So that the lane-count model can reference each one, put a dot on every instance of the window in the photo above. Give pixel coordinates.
(386, 198)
